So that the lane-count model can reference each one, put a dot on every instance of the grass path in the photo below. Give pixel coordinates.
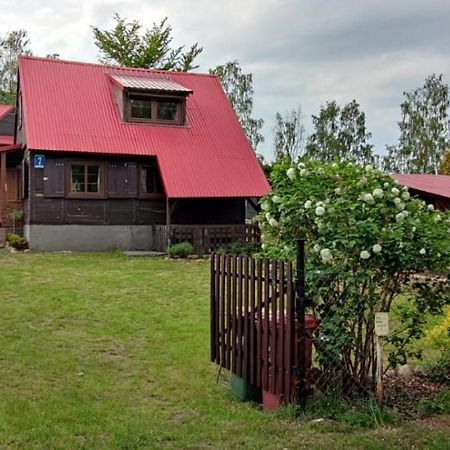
(100, 351)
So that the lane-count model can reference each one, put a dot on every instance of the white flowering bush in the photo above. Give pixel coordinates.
(366, 238)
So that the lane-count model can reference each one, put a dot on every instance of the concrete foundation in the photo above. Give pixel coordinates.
(89, 238)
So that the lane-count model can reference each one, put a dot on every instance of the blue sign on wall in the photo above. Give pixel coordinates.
(39, 161)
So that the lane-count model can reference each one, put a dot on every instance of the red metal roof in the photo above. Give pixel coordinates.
(149, 83)
(69, 106)
(433, 184)
(4, 110)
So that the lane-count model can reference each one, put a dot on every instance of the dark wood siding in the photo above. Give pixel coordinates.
(48, 203)
(7, 124)
(209, 211)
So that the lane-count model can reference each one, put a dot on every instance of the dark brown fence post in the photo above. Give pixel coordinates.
(300, 315)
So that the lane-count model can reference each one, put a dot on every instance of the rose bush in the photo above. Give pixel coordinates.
(366, 240)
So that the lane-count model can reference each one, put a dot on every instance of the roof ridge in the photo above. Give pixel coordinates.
(110, 66)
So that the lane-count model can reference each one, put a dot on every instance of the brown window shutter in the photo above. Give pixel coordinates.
(122, 180)
(54, 178)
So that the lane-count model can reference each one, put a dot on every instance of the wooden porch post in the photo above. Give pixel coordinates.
(2, 185)
(168, 223)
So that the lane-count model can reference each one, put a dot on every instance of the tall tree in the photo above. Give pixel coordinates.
(288, 134)
(423, 129)
(127, 44)
(444, 165)
(14, 44)
(340, 133)
(239, 88)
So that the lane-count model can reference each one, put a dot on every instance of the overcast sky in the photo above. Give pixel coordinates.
(299, 51)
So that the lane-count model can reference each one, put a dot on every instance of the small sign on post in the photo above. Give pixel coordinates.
(381, 330)
(382, 324)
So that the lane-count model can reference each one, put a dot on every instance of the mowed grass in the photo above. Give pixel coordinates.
(101, 351)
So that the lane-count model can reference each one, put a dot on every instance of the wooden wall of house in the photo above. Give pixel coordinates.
(210, 211)
(48, 202)
(7, 124)
(439, 202)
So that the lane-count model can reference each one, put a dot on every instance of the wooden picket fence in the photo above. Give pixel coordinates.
(252, 321)
(205, 238)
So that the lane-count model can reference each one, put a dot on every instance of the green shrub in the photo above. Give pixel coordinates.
(367, 239)
(16, 241)
(440, 370)
(440, 404)
(239, 249)
(181, 250)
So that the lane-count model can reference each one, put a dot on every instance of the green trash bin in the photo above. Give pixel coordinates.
(243, 390)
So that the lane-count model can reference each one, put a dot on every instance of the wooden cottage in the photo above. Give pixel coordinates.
(433, 189)
(115, 158)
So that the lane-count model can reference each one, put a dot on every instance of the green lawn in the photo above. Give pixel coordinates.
(101, 351)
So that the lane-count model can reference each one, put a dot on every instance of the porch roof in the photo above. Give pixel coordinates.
(10, 148)
(6, 140)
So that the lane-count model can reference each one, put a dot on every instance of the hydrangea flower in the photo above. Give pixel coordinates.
(430, 207)
(363, 180)
(422, 251)
(395, 191)
(376, 248)
(364, 254)
(308, 204)
(275, 199)
(316, 248)
(368, 198)
(386, 185)
(399, 217)
(378, 193)
(265, 205)
(273, 222)
(369, 168)
(290, 173)
(320, 211)
(303, 173)
(325, 255)
(405, 195)
(301, 165)
(338, 191)
(400, 206)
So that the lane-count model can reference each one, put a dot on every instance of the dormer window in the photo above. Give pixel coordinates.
(157, 109)
(151, 100)
(140, 109)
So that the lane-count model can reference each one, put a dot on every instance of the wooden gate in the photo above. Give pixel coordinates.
(252, 321)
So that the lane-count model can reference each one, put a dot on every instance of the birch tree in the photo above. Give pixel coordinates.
(423, 129)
